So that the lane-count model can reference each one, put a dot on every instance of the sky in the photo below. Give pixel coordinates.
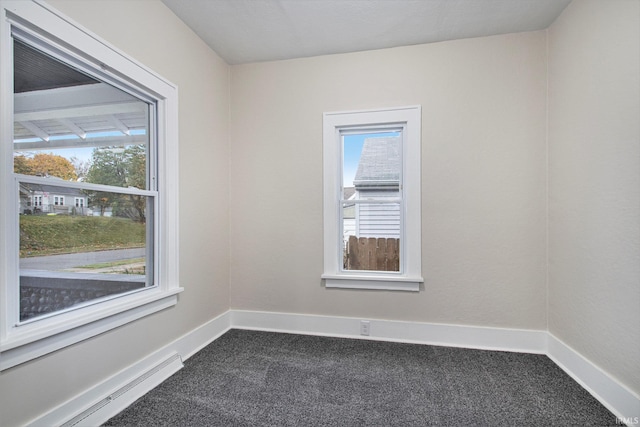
(83, 154)
(352, 149)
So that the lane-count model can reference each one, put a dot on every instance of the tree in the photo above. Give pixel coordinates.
(81, 167)
(119, 167)
(45, 164)
(21, 164)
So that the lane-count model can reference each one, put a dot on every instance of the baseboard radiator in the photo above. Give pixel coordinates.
(127, 394)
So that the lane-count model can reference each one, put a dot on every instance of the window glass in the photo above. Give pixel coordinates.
(371, 211)
(82, 153)
(371, 200)
(75, 127)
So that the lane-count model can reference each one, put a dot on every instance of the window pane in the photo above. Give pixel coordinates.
(78, 246)
(371, 172)
(371, 161)
(71, 254)
(72, 126)
(371, 236)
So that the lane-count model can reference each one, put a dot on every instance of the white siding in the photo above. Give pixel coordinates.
(348, 228)
(378, 219)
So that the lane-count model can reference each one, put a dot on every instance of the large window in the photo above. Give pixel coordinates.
(88, 185)
(78, 135)
(372, 199)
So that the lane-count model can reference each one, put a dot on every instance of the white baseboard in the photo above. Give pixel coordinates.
(517, 340)
(116, 393)
(617, 398)
(194, 341)
(96, 405)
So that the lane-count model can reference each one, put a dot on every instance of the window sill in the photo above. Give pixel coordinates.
(363, 281)
(23, 348)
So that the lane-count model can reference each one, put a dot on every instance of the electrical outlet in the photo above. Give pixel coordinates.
(365, 327)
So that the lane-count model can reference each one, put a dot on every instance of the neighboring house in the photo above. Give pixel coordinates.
(37, 198)
(378, 178)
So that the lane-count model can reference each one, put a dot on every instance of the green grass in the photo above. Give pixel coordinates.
(58, 234)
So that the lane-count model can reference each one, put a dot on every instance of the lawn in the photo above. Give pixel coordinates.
(61, 234)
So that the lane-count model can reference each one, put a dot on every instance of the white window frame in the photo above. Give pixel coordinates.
(22, 342)
(78, 202)
(58, 200)
(408, 119)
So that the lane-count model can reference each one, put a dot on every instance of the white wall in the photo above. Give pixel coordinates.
(483, 179)
(594, 180)
(150, 33)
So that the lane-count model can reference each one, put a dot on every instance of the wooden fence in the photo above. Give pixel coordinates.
(374, 254)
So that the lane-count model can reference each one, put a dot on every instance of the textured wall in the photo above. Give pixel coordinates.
(150, 33)
(483, 179)
(594, 180)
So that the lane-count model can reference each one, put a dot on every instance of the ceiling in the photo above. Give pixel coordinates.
(33, 71)
(243, 31)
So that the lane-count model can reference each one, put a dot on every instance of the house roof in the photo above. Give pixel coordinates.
(30, 188)
(349, 192)
(379, 163)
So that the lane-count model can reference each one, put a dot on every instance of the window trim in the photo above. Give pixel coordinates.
(410, 276)
(19, 344)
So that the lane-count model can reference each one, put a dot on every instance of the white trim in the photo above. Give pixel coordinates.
(17, 352)
(80, 185)
(113, 395)
(617, 398)
(409, 119)
(373, 283)
(500, 339)
(621, 401)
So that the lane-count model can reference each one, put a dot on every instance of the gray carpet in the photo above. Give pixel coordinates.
(248, 378)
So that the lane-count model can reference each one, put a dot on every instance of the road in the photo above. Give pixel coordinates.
(61, 262)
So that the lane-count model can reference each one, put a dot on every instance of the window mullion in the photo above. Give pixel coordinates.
(85, 186)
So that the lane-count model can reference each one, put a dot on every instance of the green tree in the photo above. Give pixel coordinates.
(119, 167)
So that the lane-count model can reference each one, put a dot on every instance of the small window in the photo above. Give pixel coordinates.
(372, 199)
